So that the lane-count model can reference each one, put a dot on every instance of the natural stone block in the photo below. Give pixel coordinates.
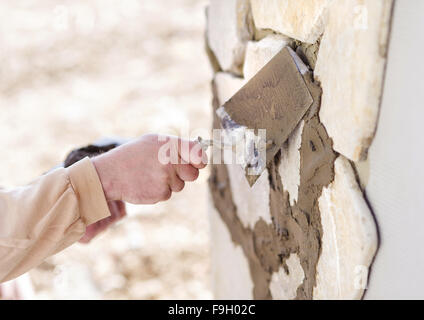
(230, 267)
(252, 202)
(283, 286)
(289, 168)
(227, 85)
(301, 20)
(363, 172)
(213, 61)
(259, 53)
(259, 34)
(229, 27)
(349, 239)
(350, 67)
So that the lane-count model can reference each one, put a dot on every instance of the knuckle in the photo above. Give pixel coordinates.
(189, 173)
(180, 187)
(194, 174)
(166, 194)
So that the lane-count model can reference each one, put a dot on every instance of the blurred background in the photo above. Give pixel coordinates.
(75, 71)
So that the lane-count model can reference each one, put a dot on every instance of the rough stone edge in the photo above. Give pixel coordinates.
(371, 220)
(311, 38)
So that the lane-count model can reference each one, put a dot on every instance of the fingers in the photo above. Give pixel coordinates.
(176, 184)
(166, 194)
(186, 172)
(192, 152)
(179, 150)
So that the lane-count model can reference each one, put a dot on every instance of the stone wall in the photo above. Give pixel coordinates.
(304, 230)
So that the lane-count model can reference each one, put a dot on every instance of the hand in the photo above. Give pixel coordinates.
(117, 212)
(138, 172)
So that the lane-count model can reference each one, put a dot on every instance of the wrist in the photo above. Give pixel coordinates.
(105, 176)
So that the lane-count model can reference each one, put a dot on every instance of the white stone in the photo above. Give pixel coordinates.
(227, 85)
(259, 53)
(230, 268)
(289, 168)
(350, 66)
(349, 239)
(363, 172)
(252, 202)
(302, 20)
(229, 28)
(284, 286)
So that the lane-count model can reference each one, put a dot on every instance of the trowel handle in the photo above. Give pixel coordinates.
(205, 144)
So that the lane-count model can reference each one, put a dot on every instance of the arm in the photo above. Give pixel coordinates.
(47, 216)
(53, 212)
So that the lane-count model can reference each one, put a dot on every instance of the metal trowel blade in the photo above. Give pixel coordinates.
(275, 100)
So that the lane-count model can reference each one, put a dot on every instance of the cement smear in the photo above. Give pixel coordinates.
(294, 229)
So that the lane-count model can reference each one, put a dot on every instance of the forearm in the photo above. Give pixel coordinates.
(47, 216)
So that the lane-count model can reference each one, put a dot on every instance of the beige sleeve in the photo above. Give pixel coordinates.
(47, 216)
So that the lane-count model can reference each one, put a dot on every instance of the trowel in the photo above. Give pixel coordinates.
(260, 117)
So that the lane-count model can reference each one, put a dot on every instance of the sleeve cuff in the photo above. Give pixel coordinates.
(88, 188)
